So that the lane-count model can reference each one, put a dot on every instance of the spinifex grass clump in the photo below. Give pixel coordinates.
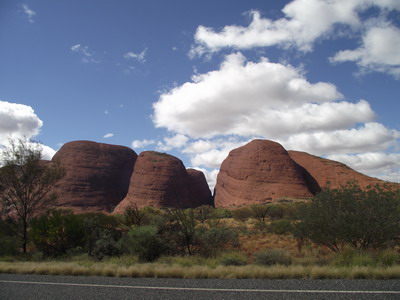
(271, 257)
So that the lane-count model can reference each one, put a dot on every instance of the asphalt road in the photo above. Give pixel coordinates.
(69, 287)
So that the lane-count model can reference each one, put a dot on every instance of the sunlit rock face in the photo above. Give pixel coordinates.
(161, 180)
(259, 172)
(97, 175)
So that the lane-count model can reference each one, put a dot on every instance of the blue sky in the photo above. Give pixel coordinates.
(199, 78)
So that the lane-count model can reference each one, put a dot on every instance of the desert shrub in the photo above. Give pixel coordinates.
(181, 230)
(260, 211)
(203, 213)
(272, 257)
(387, 258)
(350, 216)
(233, 259)
(283, 226)
(242, 214)
(133, 216)
(154, 217)
(55, 234)
(212, 241)
(221, 213)
(106, 246)
(145, 242)
(95, 225)
(353, 257)
(276, 211)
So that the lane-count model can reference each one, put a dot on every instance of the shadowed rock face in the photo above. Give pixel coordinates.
(97, 175)
(161, 180)
(259, 172)
(325, 170)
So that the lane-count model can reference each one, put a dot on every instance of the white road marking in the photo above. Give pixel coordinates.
(202, 289)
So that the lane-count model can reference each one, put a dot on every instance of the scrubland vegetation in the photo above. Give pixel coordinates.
(340, 233)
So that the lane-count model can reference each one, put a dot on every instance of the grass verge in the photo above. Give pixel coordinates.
(179, 271)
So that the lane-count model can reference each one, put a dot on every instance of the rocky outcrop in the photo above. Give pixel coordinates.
(97, 175)
(326, 171)
(161, 180)
(259, 172)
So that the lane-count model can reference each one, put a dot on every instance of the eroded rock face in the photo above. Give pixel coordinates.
(326, 171)
(97, 175)
(259, 172)
(161, 180)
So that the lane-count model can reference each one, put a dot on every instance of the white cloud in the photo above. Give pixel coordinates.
(140, 57)
(210, 153)
(137, 144)
(20, 121)
(248, 99)
(379, 51)
(87, 55)
(176, 141)
(304, 22)
(29, 13)
(47, 152)
(368, 137)
(17, 121)
(108, 135)
(382, 165)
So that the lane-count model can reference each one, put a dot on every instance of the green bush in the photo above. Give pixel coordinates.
(352, 258)
(55, 234)
(145, 242)
(233, 259)
(271, 257)
(283, 226)
(242, 214)
(106, 246)
(94, 227)
(351, 216)
(212, 241)
(387, 258)
(221, 213)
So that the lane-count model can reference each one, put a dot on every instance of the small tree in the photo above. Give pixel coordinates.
(25, 185)
(184, 223)
(260, 211)
(133, 216)
(351, 216)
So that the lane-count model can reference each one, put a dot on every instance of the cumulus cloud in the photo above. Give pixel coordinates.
(87, 55)
(20, 121)
(379, 51)
(140, 57)
(303, 23)
(382, 165)
(17, 121)
(248, 99)
(29, 13)
(210, 153)
(138, 144)
(368, 137)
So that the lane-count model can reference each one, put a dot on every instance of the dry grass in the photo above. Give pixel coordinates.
(197, 271)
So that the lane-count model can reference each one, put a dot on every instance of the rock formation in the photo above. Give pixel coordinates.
(161, 180)
(329, 171)
(259, 172)
(97, 175)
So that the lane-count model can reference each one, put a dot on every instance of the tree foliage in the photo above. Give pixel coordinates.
(56, 233)
(25, 185)
(351, 216)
